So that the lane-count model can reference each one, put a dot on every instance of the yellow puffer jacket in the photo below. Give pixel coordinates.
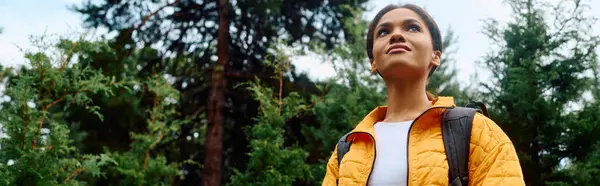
(493, 160)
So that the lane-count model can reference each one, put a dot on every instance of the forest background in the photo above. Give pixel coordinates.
(198, 92)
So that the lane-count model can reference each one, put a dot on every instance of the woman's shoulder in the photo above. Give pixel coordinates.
(486, 133)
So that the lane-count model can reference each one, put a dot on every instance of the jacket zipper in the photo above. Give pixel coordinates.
(374, 156)
(408, 140)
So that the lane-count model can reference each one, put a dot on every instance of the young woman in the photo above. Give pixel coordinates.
(401, 143)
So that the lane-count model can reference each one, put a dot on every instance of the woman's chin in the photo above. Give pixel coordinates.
(400, 64)
(403, 68)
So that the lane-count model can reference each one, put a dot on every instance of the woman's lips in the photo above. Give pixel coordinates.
(398, 48)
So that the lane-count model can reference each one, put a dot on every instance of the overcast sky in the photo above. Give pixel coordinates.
(22, 18)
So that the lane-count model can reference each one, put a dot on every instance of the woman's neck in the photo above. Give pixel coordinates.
(407, 99)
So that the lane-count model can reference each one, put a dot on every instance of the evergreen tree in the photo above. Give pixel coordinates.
(580, 140)
(272, 162)
(538, 69)
(185, 31)
(39, 145)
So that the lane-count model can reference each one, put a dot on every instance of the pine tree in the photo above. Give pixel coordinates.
(189, 42)
(271, 162)
(345, 98)
(581, 144)
(538, 70)
(36, 149)
(38, 143)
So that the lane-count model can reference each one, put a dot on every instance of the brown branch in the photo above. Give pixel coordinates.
(146, 159)
(57, 101)
(150, 148)
(64, 63)
(196, 113)
(41, 120)
(280, 90)
(147, 17)
(77, 171)
(41, 95)
(67, 166)
(45, 111)
(26, 123)
(154, 109)
(262, 109)
(154, 104)
(61, 169)
(233, 74)
(321, 98)
(56, 171)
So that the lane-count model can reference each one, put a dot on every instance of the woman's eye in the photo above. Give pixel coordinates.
(382, 33)
(414, 28)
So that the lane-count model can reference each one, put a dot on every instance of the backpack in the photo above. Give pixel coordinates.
(456, 134)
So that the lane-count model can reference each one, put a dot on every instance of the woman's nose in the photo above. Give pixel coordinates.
(397, 36)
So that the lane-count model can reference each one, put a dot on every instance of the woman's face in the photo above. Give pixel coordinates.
(402, 46)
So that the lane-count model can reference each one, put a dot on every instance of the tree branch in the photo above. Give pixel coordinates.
(280, 87)
(314, 102)
(154, 109)
(69, 56)
(26, 123)
(150, 148)
(61, 169)
(235, 74)
(45, 111)
(41, 120)
(147, 17)
(77, 171)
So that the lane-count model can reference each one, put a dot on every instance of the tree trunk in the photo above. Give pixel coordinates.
(214, 137)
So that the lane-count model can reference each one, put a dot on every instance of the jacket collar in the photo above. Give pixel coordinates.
(378, 114)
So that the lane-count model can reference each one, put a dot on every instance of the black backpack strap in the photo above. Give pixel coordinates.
(456, 133)
(343, 147)
(479, 105)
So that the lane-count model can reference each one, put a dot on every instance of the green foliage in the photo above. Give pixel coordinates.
(271, 162)
(346, 98)
(582, 147)
(38, 146)
(539, 69)
(102, 113)
(37, 149)
(581, 143)
(185, 32)
(140, 165)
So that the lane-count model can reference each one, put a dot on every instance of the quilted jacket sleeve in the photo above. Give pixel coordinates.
(331, 175)
(498, 163)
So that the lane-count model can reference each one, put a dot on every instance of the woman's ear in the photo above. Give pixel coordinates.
(373, 66)
(435, 60)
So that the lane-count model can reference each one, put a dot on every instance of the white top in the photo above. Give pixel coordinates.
(390, 168)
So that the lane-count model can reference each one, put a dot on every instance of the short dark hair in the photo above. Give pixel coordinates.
(436, 37)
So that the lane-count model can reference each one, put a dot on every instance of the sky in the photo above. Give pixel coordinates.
(24, 18)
